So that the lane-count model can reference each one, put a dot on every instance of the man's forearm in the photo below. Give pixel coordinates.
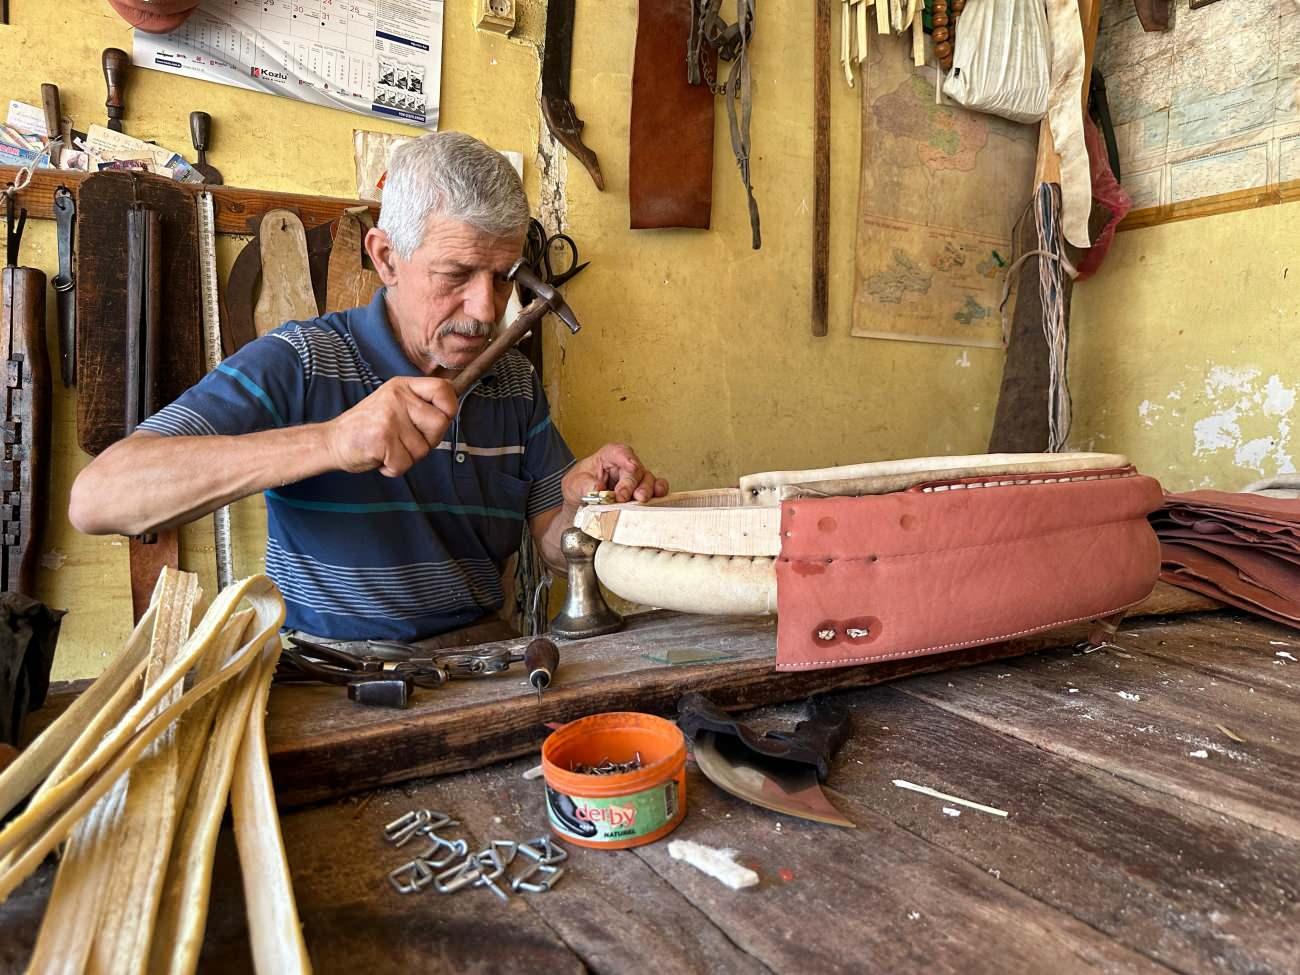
(549, 540)
(148, 482)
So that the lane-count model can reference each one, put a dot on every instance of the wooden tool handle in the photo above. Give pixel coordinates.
(53, 110)
(524, 323)
(200, 130)
(116, 63)
(541, 661)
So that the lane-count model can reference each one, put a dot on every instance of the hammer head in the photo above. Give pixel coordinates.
(524, 275)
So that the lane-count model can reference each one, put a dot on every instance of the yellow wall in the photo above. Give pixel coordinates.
(1186, 349)
(695, 348)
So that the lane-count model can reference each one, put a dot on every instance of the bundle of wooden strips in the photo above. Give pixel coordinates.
(133, 780)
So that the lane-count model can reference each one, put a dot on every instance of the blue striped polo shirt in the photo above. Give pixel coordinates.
(366, 556)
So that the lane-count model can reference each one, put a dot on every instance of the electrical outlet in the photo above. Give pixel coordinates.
(497, 16)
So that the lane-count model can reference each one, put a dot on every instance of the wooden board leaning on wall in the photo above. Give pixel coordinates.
(237, 210)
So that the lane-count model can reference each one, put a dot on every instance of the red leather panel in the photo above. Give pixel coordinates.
(917, 572)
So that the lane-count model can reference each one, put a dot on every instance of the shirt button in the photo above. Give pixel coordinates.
(460, 457)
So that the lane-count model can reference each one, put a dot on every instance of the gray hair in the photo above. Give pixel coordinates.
(453, 175)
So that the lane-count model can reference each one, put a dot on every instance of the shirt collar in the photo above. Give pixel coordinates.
(374, 337)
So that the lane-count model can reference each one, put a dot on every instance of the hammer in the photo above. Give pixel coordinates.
(547, 300)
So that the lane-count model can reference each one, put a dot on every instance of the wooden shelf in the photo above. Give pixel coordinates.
(1208, 206)
(237, 209)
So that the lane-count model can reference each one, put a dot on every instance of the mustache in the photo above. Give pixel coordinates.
(470, 328)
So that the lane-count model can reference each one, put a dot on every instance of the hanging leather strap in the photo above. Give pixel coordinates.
(670, 180)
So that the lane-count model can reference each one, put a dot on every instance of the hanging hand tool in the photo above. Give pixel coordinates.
(53, 121)
(821, 251)
(541, 660)
(781, 771)
(210, 301)
(116, 65)
(24, 474)
(557, 61)
(286, 294)
(201, 136)
(65, 284)
(150, 552)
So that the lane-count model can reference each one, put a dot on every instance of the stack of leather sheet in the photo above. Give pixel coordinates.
(1242, 549)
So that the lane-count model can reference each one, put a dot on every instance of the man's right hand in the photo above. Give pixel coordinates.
(394, 427)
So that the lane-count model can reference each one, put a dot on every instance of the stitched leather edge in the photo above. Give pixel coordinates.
(979, 641)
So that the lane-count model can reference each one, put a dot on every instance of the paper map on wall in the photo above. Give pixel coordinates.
(941, 190)
(1211, 105)
(381, 58)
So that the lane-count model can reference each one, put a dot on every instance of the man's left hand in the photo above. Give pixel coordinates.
(614, 467)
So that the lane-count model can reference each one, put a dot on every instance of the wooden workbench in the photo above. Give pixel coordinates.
(1124, 850)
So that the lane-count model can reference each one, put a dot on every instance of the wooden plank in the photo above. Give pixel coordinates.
(1142, 719)
(286, 291)
(1210, 206)
(1233, 645)
(322, 745)
(237, 209)
(102, 209)
(877, 898)
(588, 909)
(1163, 876)
(821, 249)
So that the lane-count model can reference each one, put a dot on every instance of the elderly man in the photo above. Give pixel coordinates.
(391, 506)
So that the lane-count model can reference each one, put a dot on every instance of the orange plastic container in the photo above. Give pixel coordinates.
(613, 812)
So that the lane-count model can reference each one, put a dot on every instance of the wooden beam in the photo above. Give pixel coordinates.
(821, 249)
(237, 210)
(322, 745)
(1209, 206)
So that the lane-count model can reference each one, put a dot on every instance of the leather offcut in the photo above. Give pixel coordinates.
(959, 563)
(670, 178)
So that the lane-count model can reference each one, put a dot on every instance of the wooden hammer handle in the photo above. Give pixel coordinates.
(524, 323)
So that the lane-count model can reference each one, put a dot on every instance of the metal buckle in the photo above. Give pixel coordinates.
(411, 877)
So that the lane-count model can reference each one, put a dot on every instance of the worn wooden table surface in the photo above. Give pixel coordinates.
(1141, 836)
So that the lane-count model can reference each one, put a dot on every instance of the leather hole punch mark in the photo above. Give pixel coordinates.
(907, 522)
(827, 524)
(862, 629)
(857, 631)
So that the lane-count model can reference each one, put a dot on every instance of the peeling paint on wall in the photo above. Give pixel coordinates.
(1249, 416)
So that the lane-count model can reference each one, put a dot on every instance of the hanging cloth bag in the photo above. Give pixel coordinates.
(1001, 62)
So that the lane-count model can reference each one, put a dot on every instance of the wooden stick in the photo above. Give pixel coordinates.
(821, 168)
(44, 824)
(148, 818)
(178, 934)
(273, 925)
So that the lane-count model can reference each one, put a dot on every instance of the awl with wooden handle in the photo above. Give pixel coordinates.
(116, 64)
(201, 137)
(541, 660)
(53, 120)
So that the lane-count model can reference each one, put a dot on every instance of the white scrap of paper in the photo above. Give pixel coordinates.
(27, 119)
(718, 864)
(949, 811)
(1288, 656)
(1129, 697)
(1199, 753)
(927, 791)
